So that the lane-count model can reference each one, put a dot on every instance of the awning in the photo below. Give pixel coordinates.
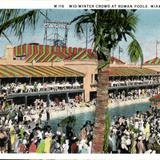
(126, 71)
(154, 61)
(46, 53)
(116, 60)
(12, 71)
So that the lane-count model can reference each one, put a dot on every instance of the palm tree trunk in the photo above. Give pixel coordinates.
(102, 103)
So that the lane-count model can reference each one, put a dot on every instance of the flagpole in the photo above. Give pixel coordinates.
(112, 51)
(156, 48)
(119, 52)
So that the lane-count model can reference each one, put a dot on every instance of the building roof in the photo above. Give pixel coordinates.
(46, 53)
(37, 71)
(116, 60)
(128, 71)
(154, 61)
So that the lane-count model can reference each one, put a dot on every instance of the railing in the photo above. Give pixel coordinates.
(13, 95)
(129, 86)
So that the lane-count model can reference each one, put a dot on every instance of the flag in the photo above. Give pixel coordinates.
(158, 42)
(120, 49)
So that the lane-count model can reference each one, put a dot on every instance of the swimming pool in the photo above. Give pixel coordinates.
(126, 111)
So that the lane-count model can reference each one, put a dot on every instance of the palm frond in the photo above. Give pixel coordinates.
(109, 27)
(81, 22)
(7, 14)
(18, 23)
(135, 51)
(5, 36)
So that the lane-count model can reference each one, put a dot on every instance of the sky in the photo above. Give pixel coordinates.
(147, 32)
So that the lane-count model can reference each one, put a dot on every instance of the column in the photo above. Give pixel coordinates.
(25, 101)
(48, 99)
(30, 80)
(67, 97)
(16, 80)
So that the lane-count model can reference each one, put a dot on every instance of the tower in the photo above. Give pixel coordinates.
(56, 33)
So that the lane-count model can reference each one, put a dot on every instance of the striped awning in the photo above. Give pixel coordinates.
(126, 71)
(46, 53)
(116, 60)
(154, 61)
(37, 71)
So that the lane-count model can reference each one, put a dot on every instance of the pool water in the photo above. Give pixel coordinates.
(116, 111)
(129, 110)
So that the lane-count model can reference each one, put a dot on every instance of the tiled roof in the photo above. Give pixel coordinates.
(46, 53)
(154, 61)
(37, 71)
(128, 71)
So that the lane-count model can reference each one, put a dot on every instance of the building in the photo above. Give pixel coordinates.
(36, 60)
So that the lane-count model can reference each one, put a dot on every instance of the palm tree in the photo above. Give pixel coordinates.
(109, 27)
(17, 20)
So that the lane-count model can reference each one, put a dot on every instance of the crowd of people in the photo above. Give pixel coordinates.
(139, 133)
(134, 81)
(133, 94)
(27, 130)
(38, 86)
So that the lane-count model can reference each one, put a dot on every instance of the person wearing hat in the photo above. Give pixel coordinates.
(62, 139)
(3, 136)
(65, 146)
(147, 130)
(53, 144)
(40, 148)
(140, 145)
(83, 133)
(133, 143)
(13, 136)
(74, 145)
(47, 143)
(33, 146)
(22, 146)
(114, 142)
(17, 142)
(84, 148)
(58, 148)
(124, 145)
(59, 130)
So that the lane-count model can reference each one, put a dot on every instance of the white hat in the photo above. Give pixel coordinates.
(123, 146)
(158, 134)
(127, 133)
(67, 141)
(140, 138)
(74, 138)
(58, 145)
(154, 152)
(64, 134)
(46, 134)
(83, 141)
(24, 141)
(50, 134)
